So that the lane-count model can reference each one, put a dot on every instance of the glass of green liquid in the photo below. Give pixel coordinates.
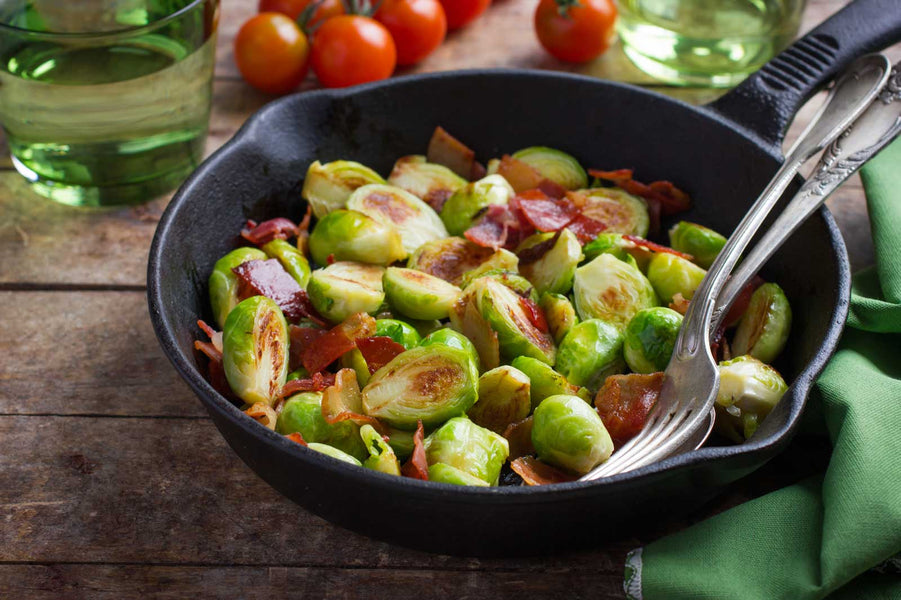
(714, 43)
(106, 102)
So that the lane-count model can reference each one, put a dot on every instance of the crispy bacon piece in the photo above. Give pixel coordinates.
(667, 196)
(263, 414)
(533, 253)
(478, 171)
(501, 226)
(273, 229)
(343, 402)
(317, 383)
(535, 472)
(437, 198)
(301, 337)
(519, 437)
(215, 336)
(447, 150)
(544, 213)
(652, 247)
(624, 401)
(268, 278)
(534, 314)
(378, 351)
(742, 301)
(417, 467)
(213, 351)
(586, 228)
(522, 176)
(296, 437)
(339, 339)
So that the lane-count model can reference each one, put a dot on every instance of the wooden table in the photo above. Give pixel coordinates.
(114, 483)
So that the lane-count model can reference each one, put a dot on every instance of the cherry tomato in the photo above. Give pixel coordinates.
(462, 12)
(293, 8)
(417, 26)
(351, 49)
(272, 53)
(575, 31)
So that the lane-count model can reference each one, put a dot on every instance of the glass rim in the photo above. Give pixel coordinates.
(102, 35)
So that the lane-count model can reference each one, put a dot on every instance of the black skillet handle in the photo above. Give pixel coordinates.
(766, 101)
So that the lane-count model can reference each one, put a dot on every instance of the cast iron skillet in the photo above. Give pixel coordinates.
(723, 154)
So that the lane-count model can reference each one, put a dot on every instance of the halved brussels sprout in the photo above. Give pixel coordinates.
(559, 167)
(346, 288)
(612, 290)
(255, 350)
(554, 271)
(749, 389)
(504, 398)
(452, 339)
(381, 455)
(402, 333)
(350, 235)
(291, 259)
(590, 352)
(545, 381)
(418, 295)
(568, 433)
(401, 441)
(500, 260)
(650, 339)
(334, 453)
(327, 187)
(560, 314)
(302, 413)
(466, 318)
(443, 473)
(355, 360)
(763, 329)
(462, 444)
(450, 258)
(432, 182)
(702, 243)
(466, 203)
(619, 210)
(519, 284)
(223, 284)
(671, 275)
(431, 384)
(415, 221)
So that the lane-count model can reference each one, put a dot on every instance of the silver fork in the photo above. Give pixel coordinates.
(691, 379)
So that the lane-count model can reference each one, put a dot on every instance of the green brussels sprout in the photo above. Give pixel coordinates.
(466, 203)
(431, 384)
(291, 259)
(346, 288)
(612, 290)
(450, 258)
(749, 389)
(545, 381)
(348, 235)
(702, 243)
(506, 314)
(444, 473)
(223, 284)
(555, 269)
(381, 455)
(568, 433)
(590, 352)
(763, 329)
(612, 243)
(418, 295)
(650, 339)
(619, 210)
(302, 413)
(424, 328)
(519, 284)
(255, 350)
(560, 314)
(401, 441)
(299, 373)
(432, 182)
(462, 444)
(559, 167)
(504, 398)
(334, 453)
(415, 221)
(671, 275)
(402, 333)
(452, 339)
(354, 359)
(327, 187)
(500, 261)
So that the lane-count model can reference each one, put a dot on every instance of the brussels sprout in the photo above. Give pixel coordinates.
(500, 260)
(559, 167)
(255, 350)
(508, 315)
(671, 275)
(466, 318)
(590, 352)
(401, 441)
(424, 328)
(504, 398)
(451, 339)
(466, 203)
(381, 456)
(431, 384)
(650, 339)
(402, 333)
(419, 295)
(560, 314)
(355, 360)
(615, 244)
(462, 444)
(554, 271)
(569, 434)
(763, 329)
(223, 283)
(749, 389)
(432, 182)
(291, 259)
(415, 221)
(346, 288)
(302, 413)
(334, 453)
(444, 473)
(450, 258)
(619, 210)
(545, 381)
(299, 373)
(351, 235)
(609, 289)
(327, 187)
(519, 284)
(702, 243)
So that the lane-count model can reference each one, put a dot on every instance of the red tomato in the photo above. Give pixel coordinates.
(417, 26)
(272, 53)
(351, 49)
(462, 12)
(293, 8)
(580, 33)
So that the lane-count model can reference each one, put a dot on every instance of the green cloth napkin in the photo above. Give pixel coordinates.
(835, 535)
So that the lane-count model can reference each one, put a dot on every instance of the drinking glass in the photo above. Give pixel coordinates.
(106, 102)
